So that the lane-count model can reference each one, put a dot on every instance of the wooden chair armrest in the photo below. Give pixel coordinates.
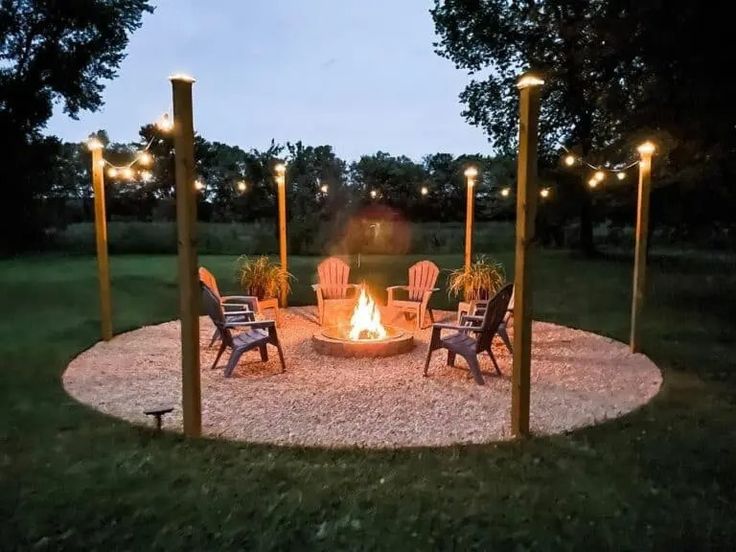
(397, 287)
(239, 298)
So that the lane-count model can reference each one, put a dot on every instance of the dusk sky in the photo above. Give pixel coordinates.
(359, 75)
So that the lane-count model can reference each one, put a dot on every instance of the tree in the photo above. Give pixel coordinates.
(556, 37)
(50, 52)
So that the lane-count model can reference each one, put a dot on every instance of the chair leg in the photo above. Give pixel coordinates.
(264, 352)
(281, 356)
(215, 337)
(475, 369)
(232, 363)
(219, 354)
(450, 358)
(430, 350)
(504, 335)
(493, 359)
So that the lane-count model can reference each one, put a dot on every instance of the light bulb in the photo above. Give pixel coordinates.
(242, 186)
(127, 173)
(592, 183)
(505, 192)
(198, 185)
(323, 188)
(544, 192)
(374, 193)
(569, 160)
(599, 176)
(112, 172)
(145, 159)
(424, 190)
(621, 175)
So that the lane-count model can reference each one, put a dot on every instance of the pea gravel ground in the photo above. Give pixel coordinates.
(578, 379)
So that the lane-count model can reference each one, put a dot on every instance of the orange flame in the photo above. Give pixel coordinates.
(366, 320)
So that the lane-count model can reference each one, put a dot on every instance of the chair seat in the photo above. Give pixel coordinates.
(238, 318)
(250, 337)
(459, 342)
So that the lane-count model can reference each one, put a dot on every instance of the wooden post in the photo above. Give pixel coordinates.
(526, 206)
(103, 263)
(646, 150)
(281, 185)
(470, 175)
(186, 223)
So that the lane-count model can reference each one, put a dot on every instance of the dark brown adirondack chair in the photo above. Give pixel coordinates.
(258, 335)
(231, 304)
(479, 307)
(472, 336)
(422, 279)
(333, 289)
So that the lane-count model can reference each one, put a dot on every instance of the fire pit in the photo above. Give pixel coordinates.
(364, 335)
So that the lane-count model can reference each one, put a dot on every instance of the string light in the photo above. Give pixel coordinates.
(112, 172)
(324, 188)
(199, 185)
(544, 192)
(145, 159)
(569, 160)
(424, 190)
(127, 173)
(374, 193)
(592, 183)
(242, 186)
(505, 192)
(621, 175)
(101, 163)
(599, 176)
(164, 123)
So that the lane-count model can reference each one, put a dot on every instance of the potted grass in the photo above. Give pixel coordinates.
(261, 277)
(478, 282)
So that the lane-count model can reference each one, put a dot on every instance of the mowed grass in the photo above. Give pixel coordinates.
(662, 477)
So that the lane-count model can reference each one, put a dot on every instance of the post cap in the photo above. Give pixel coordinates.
(280, 169)
(181, 77)
(94, 144)
(529, 79)
(471, 172)
(647, 148)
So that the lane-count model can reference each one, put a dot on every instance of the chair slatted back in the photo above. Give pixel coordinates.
(333, 274)
(493, 316)
(214, 310)
(208, 279)
(422, 277)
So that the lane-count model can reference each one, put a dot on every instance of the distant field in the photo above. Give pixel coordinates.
(260, 238)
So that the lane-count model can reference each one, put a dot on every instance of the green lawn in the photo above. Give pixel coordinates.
(663, 477)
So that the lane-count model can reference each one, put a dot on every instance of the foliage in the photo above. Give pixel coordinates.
(481, 280)
(50, 52)
(262, 277)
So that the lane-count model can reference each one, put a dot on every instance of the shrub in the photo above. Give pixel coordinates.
(262, 277)
(480, 281)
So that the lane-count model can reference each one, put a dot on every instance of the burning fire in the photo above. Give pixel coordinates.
(366, 320)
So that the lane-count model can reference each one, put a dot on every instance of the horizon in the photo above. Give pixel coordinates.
(385, 89)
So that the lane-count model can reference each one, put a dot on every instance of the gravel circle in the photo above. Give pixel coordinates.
(578, 379)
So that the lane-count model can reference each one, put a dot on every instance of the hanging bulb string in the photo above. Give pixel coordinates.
(140, 155)
(605, 167)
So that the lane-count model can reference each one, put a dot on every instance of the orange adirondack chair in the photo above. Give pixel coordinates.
(333, 289)
(422, 279)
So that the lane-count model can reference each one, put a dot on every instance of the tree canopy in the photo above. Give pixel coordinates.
(50, 52)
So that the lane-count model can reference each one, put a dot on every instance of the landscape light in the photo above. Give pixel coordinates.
(112, 172)
(569, 160)
(505, 192)
(621, 175)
